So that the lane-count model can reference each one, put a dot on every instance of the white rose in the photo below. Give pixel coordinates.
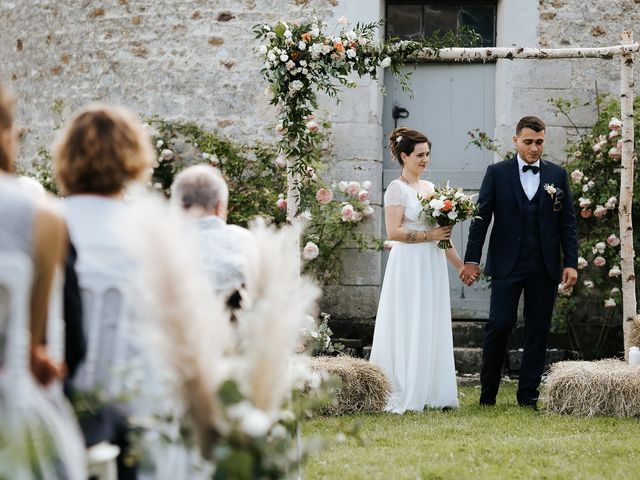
(366, 185)
(263, 49)
(166, 154)
(310, 251)
(577, 176)
(284, 57)
(609, 303)
(351, 53)
(582, 263)
(452, 215)
(159, 144)
(385, 62)
(367, 212)
(271, 56)
(255, 423)
(342, 186)
(287, 34)
(615, 271)
(302, 45)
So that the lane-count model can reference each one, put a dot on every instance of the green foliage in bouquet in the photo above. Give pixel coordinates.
(446, 206)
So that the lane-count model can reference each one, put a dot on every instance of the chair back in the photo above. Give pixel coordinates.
(105, 315)
(15, 287)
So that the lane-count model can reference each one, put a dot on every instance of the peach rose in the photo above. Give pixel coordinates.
(324, 196)
(585, 212)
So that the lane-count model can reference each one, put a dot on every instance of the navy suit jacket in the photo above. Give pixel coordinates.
(501, 199)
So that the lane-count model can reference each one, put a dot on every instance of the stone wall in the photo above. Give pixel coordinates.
(525, 86)
(189, 59)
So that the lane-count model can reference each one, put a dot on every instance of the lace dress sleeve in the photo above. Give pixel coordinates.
(394, 195)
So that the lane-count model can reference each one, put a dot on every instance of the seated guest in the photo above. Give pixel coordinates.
(203, 194)
(34, 229)
(102, 151)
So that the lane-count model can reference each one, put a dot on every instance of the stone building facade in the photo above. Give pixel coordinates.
(196, 60)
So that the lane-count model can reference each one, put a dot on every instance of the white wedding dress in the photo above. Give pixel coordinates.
(413, 341)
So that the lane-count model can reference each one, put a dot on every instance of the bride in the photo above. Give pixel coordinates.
(413, 341)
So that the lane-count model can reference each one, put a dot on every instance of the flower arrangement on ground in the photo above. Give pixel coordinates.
(446, 206)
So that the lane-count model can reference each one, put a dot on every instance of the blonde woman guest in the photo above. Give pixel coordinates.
(102, 151)
(413, 341)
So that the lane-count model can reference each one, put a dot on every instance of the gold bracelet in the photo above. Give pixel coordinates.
(425, 236)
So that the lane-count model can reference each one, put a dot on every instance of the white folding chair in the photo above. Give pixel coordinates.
(15, 287)
(106, 324)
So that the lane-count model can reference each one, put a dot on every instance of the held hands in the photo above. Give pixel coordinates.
(469, 273)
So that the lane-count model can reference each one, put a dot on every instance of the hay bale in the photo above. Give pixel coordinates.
(606, 387)
(634, 335)
(365, 388)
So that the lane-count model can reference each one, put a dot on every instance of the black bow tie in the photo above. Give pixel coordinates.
(533, 169)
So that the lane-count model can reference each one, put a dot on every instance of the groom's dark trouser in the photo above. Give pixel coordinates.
(528, 275)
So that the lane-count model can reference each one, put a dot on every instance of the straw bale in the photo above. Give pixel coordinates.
(634, 334)
(605, 387)
(365, 388)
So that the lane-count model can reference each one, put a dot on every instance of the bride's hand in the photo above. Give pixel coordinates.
(440, 233)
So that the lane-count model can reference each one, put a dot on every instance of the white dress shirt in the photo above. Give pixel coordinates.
(530, 181)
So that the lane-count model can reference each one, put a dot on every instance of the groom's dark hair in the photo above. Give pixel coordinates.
(534, 123)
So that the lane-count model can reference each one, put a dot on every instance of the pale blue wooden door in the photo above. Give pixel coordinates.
(449, 101)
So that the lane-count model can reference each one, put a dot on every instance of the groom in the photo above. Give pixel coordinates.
(533, 219)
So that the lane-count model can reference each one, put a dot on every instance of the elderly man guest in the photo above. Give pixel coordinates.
(202, 192)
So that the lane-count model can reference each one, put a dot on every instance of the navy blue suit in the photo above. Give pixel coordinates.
(524, 255)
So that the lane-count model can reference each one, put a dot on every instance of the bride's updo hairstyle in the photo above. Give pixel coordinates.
(404, 140)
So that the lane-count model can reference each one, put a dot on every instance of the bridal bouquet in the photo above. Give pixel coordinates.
(447, 206)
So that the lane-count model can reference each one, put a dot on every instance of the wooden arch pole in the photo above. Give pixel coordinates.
(629, 301)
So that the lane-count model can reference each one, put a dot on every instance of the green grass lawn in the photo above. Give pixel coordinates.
(506, 442)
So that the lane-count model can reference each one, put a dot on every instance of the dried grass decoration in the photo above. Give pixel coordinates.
(606, 387)
(365, 388)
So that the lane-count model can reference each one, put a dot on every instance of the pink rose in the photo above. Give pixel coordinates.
(280, 161)
(600, 211)
(613, 241)
(324, 196)
(611, 203)
(613, 134)
(347, 213)
(310, 251)
(387, 245)
(312, 126)
(353, 189)
(582, 263)
(281, 203)
(577, 176)
(363, 195)
(615, 124)
(599, 261)
(609, 303)
(614, 153)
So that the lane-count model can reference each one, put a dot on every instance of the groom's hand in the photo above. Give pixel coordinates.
(469, 273)
(569, 278)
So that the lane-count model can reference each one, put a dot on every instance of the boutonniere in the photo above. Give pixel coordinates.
(556, 195)
(550, 189)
